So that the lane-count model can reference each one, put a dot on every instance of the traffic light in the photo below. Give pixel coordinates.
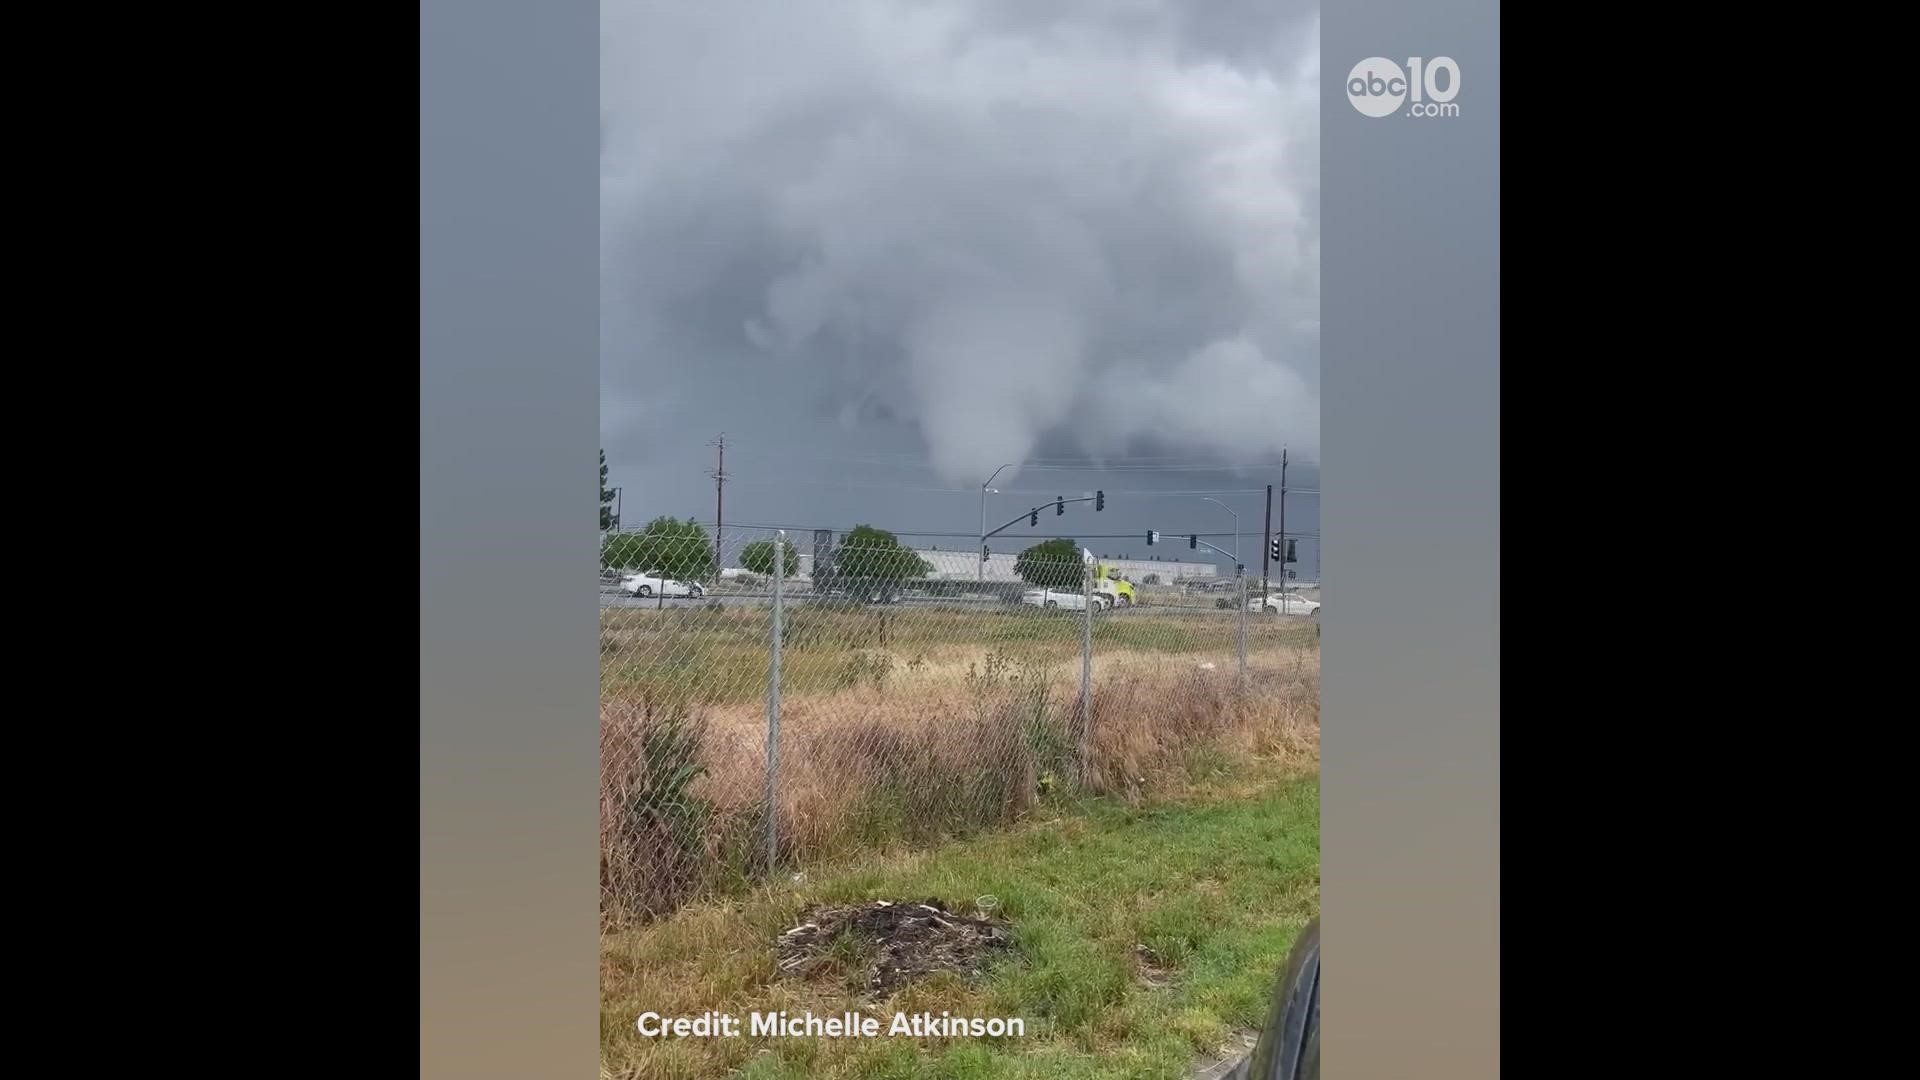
(1193, 541)
(1033, 519)
(1292, 556)
(1273, 549)
(1099, 500)
(1152, 538)
(1059, 505)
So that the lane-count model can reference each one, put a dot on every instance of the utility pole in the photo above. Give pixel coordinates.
(720, 504)
(1266, 542)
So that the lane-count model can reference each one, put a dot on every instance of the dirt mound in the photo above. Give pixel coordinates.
(895, 941)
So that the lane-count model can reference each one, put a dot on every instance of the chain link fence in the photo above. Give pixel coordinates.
(762, 707)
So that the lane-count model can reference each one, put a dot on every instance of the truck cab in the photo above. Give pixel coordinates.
(1108, 582)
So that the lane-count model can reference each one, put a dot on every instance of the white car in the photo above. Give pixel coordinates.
(1051, 598)
(649, 585)
(1284, 604)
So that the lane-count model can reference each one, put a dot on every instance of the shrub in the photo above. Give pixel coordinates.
(653, 828)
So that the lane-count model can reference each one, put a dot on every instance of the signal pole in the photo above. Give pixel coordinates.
(980, 578)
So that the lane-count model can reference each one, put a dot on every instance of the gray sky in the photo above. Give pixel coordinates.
(888, 246)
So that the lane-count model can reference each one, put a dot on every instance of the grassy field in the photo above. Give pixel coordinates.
(1145, 935)
(923, 746)
(1155, 849)
(721, 656)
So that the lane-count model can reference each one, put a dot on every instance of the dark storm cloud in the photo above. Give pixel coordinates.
(971, 232)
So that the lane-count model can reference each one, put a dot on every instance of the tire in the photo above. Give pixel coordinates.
(1271, 610)
(644, 590)
(1053, 603)
(1289, 1047)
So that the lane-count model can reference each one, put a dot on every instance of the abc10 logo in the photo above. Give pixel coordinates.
(1378, 86)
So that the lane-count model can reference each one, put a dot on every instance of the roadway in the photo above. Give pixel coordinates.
(612, 596)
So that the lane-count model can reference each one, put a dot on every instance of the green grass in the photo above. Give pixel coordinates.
(1216, 889)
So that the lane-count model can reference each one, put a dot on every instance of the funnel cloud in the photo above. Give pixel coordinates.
(980, 232)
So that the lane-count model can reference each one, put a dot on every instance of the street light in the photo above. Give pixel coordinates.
(984, 489)
(1236, 525)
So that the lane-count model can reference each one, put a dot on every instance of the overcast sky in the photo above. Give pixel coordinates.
(888, 246)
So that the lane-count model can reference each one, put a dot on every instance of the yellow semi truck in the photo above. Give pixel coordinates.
(1109, 582)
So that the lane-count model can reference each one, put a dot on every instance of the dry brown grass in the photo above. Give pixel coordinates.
(919, 745)
(721, 657)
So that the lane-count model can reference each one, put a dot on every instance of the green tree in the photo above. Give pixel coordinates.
(870, 563)
(1050, 564)
(873, 553)
(679, 550)
(757, 557)
(606, 496)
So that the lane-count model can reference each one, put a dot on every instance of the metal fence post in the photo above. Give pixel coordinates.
(1086, 671)
(1240, 575)
(773, 705)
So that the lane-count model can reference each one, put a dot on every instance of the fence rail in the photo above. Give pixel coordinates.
(751, 722)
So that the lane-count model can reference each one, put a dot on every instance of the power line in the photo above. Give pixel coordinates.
(1081, 467)
(974, 536)
(918, 457)
(1043, 493)
(1189, 464)
(1095, 467)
